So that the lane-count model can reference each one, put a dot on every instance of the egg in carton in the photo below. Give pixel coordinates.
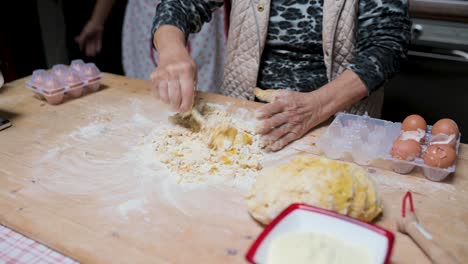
(432, 148)
(37, 80)
(74, 84)
(406, 145)
(89, 73)
(52, 90)
(72, 80)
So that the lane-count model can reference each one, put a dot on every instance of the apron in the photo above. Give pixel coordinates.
(206, 47)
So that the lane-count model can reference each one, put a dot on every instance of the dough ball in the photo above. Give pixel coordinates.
(333, 185)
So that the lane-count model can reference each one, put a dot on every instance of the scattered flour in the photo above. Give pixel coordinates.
(52, 153)
(89, 131)
(117, 157)
(132, 205)
(141, 120)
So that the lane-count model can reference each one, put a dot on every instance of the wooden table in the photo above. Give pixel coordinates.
(79, 178)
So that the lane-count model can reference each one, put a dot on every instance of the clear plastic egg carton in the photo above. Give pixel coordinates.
(65, 81)
(365, 139)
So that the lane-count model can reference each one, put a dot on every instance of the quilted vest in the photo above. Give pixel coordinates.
(247, 37)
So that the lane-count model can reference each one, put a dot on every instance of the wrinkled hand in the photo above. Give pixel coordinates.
(90, 38)
(288, 116)
(174, 80)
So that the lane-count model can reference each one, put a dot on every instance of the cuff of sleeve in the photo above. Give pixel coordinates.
(370, 76)
(161, 22)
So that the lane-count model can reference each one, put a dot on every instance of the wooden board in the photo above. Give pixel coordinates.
(79, 178)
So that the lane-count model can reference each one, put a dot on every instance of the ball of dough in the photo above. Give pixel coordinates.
(333, 185)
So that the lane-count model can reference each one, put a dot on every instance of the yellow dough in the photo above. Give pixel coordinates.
(334, 185)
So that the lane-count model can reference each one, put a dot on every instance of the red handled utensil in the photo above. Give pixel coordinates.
(408, 224)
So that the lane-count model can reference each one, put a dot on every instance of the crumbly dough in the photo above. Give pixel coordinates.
(235, 152)
(312, 248)
(334, 185)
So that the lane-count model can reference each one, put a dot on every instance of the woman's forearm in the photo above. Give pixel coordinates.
(290, 115)
(168, 37)
(341, 93)
(188, 15)
(383, 37)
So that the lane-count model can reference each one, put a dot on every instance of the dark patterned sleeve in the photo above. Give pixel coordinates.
(382, 41)
(187, 15)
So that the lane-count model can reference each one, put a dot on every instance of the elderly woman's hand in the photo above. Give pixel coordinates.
(288, 116)
(174, 80)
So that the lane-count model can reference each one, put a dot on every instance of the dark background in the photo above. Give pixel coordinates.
(21, 43)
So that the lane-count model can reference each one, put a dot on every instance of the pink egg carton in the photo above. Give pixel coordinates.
(364, 140)
(65, 81)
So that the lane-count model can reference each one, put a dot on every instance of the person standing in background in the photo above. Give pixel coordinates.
(92, 28)
(206, 47)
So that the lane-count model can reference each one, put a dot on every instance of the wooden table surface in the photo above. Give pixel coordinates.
(80, 178)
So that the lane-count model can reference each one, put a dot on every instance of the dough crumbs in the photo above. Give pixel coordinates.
(192, 158)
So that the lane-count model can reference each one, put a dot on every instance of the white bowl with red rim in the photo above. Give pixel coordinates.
(305, 218)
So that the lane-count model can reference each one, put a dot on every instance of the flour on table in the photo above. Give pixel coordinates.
(132, 205)
(90, 131)
(188, 156)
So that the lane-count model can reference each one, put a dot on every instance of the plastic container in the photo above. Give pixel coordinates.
(91, 74)
(59, 70)
(37, 79)
(77, 65)
(72, 80)
(402, 167)
(367, 139)
(64, 80)
(52, 90)
(305, 218)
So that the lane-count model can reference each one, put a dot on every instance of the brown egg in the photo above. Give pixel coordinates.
(440, 156)
(405, 149)
(447, 127)
(413, 122)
